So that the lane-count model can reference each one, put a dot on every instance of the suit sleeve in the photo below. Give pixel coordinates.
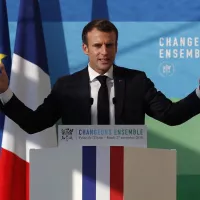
(163, 109)
(45, 116)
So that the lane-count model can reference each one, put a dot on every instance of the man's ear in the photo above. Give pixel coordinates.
(85, 48)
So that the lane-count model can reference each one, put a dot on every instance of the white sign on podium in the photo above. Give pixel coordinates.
(103, 135)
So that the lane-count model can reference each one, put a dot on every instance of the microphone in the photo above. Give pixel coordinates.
(114, 100)
(91, 101)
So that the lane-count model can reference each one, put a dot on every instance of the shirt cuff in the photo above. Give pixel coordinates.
(6, 96)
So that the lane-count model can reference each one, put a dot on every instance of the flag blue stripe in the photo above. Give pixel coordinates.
(89, 173)
(4, 37)
(29, 30)
(4, 28)
(4, 49)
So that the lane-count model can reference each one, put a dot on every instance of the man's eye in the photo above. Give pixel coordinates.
(97, 45)
(109, 45)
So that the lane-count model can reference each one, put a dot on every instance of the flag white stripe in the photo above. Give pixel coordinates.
(103, 173)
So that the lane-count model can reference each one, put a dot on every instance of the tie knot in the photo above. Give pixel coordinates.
(102, 79)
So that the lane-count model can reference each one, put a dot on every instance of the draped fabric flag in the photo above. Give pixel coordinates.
(31, 84)
(5, 57)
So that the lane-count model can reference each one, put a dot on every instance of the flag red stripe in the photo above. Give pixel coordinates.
(14, 174)
(116, 173)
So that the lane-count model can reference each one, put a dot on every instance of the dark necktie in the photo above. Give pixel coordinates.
(103, 102)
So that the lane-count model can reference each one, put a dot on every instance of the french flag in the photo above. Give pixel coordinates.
(30, 82)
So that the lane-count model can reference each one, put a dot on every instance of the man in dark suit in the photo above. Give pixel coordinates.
(101, 93)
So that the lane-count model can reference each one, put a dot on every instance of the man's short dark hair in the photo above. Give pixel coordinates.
(101, 25)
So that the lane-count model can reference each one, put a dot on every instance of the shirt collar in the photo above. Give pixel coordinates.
(93, 74)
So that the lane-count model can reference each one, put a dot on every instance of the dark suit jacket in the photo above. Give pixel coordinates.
(135, 96)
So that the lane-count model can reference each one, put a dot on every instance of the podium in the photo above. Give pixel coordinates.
(94, 170)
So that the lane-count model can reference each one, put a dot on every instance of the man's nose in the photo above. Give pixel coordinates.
(104, 49)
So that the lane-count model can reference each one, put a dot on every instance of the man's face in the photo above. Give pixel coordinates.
(101, 50)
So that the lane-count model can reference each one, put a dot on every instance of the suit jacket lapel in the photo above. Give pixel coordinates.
(119, 83)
